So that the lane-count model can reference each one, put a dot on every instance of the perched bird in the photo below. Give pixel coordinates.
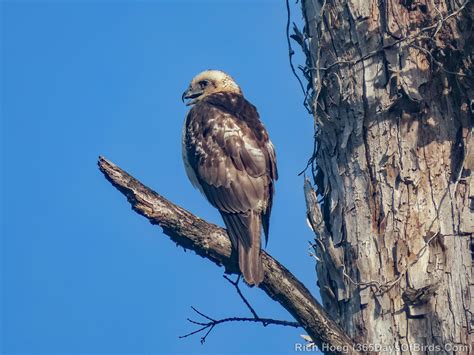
(229, 157)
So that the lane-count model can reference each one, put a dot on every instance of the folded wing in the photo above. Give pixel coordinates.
(234, 163)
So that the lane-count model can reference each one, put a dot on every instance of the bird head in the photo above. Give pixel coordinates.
(209, 82)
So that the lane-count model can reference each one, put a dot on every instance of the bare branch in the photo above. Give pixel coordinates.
(209, 326)
(213, 322)
(242, 297)
(212, 242)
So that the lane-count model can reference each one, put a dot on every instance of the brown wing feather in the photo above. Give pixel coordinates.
(233, 161)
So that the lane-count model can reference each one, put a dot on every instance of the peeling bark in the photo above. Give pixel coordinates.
(392, 87)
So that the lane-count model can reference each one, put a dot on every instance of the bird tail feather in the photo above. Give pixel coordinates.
(244, 231)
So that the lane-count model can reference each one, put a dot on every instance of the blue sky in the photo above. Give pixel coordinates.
(81, 272)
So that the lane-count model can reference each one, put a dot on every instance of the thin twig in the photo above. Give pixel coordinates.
(291, 52)
(237, 288)
(209, 326)
(213, 322)
(203, 315)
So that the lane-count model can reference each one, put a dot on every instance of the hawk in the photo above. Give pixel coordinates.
(229, 157)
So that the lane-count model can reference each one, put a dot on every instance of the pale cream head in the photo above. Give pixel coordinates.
(209, 82)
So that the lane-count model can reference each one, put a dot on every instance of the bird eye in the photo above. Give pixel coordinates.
(203, 84)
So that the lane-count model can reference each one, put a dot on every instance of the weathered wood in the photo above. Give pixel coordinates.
(392, 85)
(212, 242)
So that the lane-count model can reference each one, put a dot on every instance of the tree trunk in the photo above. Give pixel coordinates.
(393, 211)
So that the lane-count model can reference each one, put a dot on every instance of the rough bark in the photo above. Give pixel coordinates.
(212, 242)
(393, 211)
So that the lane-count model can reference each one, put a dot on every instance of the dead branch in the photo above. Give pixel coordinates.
(211, 323)
(211, 242)
(209, 326)
(241, 295)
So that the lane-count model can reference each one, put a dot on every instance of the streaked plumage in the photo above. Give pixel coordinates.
(228, 156)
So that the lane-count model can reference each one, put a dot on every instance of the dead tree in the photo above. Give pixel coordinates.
(391, 201)
(391, 91)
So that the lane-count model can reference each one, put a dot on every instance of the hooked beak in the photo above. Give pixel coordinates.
(191, 94)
